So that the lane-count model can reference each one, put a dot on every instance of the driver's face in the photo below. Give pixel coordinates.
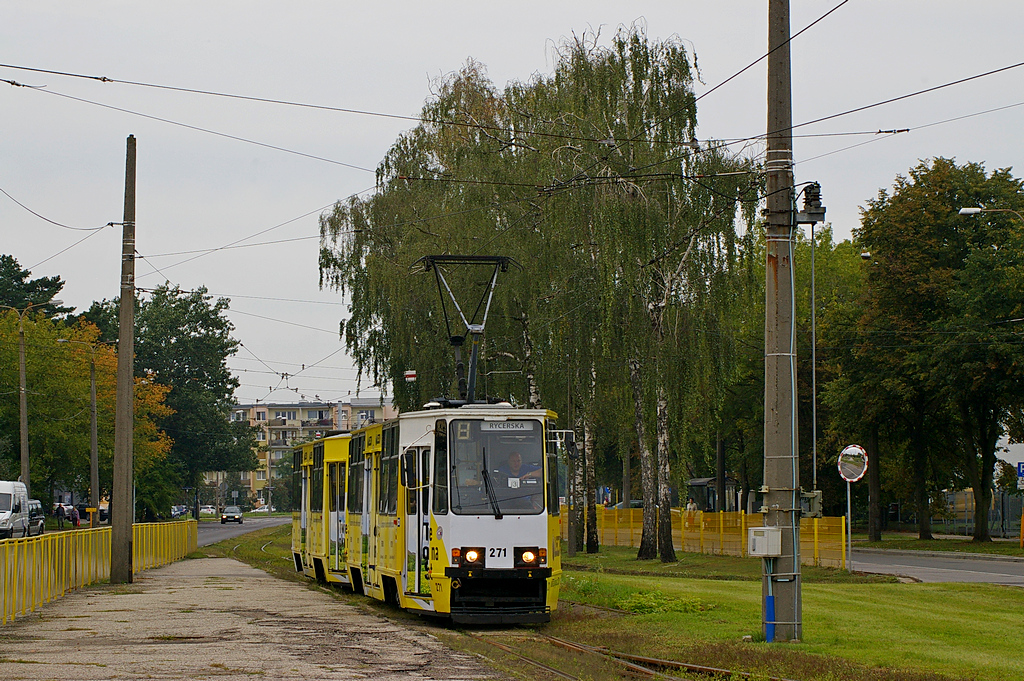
(515, 461)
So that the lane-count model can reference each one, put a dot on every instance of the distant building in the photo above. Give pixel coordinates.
(282, 425)
(357, 412)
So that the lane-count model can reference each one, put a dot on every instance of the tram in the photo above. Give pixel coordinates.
(448, 511)
(319, 537)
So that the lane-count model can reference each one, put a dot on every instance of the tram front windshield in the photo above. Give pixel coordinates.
(497, 467)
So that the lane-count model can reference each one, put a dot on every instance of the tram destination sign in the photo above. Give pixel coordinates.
(507, 426)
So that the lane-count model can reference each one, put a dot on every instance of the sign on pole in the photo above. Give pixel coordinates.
(1020, 475)
(853, 464)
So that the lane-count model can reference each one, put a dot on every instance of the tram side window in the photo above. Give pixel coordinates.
(337, 482)
(554, 506)
(387, 500)
(411, 483)
(355, 475)
(316, 486)
(296, 480)
(440, 505)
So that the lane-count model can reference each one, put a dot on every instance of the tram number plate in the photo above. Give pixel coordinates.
(498, 553)
(513, 483)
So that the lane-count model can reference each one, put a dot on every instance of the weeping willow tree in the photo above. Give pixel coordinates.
(590, 179)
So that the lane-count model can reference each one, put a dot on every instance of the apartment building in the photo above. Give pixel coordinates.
(282, 425)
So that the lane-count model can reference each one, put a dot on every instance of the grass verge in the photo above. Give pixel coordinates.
(699, 610)
(906, 542)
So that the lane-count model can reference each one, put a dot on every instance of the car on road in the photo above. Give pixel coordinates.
(36, 517)
(231, 514)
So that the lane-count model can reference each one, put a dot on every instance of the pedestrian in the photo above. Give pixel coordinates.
(691, 505)
(60, 513)
(74, 516)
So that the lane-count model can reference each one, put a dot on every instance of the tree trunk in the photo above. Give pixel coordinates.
(578, 499)
(920, 477)
(665, 547)
(981, 431)
(627, 482)
(530, 366)
(874, 487)
(588, 452)
(720, 500)
(648, 538)
(744, 485)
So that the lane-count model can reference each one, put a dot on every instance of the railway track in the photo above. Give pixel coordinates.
(631, 665)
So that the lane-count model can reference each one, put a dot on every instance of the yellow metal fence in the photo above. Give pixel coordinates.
(822, 540)
(36, 570)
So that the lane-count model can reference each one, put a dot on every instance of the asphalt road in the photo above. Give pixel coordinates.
(211, 532)
(935, 566)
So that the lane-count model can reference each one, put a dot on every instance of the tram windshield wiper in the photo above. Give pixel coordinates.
(490, 492)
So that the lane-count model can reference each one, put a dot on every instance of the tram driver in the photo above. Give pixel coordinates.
(515, 468)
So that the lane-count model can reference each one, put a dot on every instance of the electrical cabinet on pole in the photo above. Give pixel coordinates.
(781, 581)
(122, 502)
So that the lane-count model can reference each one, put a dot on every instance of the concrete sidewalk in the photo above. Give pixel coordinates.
(217, 618)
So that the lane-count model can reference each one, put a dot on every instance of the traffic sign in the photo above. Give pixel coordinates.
(853, 463)
(1020, 469)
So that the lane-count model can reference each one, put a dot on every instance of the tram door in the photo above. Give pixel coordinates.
(416, 472)
(336, 518)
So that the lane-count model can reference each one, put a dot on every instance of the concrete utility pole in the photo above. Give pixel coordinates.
(781, 582)
(122, 505)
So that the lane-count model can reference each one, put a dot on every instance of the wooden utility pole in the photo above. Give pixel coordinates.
(781, 582)
(122, 504)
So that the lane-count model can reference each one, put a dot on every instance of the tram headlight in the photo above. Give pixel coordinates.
(473, 556)
(528, 556)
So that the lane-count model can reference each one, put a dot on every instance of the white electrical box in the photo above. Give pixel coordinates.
(764, 542)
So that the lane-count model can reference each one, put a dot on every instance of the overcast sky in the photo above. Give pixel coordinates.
(64, 159)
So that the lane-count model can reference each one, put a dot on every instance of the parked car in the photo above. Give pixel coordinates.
(36, 517)
(264, 509)
(13, 509)
(207, 510)
(231, 514)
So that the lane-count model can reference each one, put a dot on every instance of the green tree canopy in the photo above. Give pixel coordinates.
(937, 356)
(627, 234)
(18, 291)
(182, 341)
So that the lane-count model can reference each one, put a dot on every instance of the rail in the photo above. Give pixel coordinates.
(37, 570)
(822, 540)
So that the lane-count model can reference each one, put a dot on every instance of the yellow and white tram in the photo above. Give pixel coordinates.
(448, 511)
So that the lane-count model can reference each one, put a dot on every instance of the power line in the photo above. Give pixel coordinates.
(53, 222)
(282, 321)
(193, 127)
(238, 295)
(907, 96)
(264, 231)
(227, 248)
(767, 54)
(65, 250)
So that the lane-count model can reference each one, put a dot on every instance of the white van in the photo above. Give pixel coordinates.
(13, 509)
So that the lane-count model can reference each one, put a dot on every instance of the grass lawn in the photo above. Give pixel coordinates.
(952, 630)
(856, 628)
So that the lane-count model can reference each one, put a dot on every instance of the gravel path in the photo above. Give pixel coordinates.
(217, 618)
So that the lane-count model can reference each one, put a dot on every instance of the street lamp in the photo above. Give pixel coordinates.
(22, 392)
(94, 458)
(976, 211)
